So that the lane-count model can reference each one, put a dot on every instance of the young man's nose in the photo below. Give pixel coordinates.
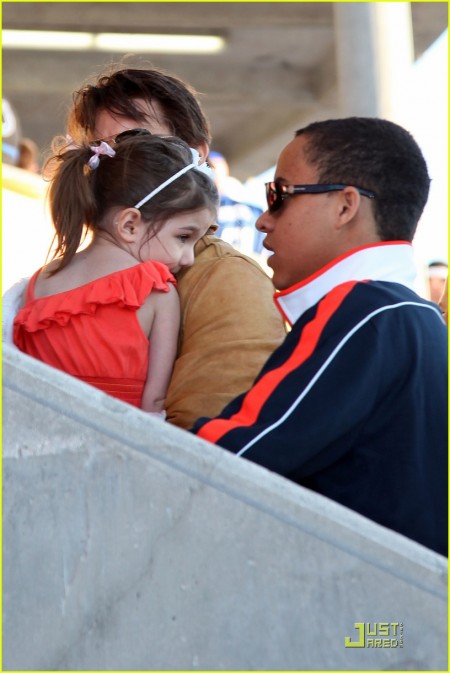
(264, 223)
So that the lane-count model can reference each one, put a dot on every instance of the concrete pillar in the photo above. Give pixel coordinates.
(374, 52)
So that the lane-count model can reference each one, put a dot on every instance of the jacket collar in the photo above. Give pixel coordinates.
(390, 261)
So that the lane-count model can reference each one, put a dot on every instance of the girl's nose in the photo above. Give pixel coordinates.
(187, 258)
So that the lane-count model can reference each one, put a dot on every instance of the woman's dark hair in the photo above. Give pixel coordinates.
(377, 155)
(81, 197)
(119, 92)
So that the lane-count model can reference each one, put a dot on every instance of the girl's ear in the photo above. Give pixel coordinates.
(127, 224)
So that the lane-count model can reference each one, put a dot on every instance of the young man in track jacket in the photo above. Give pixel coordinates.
(353, 404)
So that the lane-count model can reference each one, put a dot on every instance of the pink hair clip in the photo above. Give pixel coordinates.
(102, 149)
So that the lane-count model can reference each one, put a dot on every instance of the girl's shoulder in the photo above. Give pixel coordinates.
(128, 287)
(149, 275)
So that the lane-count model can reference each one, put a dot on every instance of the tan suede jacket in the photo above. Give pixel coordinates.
(229, 327)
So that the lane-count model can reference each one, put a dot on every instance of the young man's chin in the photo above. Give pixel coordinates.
(278, 282)
(279, 279)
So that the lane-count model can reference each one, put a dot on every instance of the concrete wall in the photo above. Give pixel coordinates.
(132, 545)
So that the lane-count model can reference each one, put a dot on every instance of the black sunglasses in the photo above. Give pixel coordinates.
(276, 192)
(129, 133)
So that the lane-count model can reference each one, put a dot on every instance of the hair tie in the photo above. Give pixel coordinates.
(97, 150)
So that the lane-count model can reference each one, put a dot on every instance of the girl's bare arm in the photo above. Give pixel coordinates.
(162, 349)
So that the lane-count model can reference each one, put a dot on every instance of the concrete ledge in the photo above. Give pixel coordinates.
(129, 544)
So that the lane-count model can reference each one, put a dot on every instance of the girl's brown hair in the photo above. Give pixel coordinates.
(81, 197)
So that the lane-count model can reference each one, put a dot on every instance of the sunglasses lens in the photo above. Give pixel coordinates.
(273, 196)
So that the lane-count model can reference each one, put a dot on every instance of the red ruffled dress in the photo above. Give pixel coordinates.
(92, 332)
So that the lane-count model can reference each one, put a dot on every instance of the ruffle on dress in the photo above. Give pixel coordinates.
(126, 288)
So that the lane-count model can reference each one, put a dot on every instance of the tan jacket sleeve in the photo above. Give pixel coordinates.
(230, 326)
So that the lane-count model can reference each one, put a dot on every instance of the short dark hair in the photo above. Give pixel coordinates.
(436, 263)
(378, 155)
(118, 92)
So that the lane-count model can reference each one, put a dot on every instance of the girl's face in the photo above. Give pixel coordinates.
(174, 244)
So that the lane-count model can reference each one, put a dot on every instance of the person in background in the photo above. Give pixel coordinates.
(109, 314)
(237, 216)
(28, 155)
(443, 302)
(24, 202)
(229, 322)
(353, 404)
(437, 273)
(11, 134)
(17, 150)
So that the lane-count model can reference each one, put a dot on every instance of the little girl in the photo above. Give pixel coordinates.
(109, 314)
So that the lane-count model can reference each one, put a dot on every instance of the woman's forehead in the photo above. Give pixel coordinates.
(108, 123)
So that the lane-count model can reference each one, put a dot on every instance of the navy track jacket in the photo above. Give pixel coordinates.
(353, 404)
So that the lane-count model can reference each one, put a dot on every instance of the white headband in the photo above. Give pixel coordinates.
(204, 168)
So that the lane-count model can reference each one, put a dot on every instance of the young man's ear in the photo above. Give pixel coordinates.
(127, 224)
(348, 204)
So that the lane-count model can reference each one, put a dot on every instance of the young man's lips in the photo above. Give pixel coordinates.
(271, 257)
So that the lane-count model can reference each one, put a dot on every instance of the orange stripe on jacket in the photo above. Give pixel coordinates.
(261, 391)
